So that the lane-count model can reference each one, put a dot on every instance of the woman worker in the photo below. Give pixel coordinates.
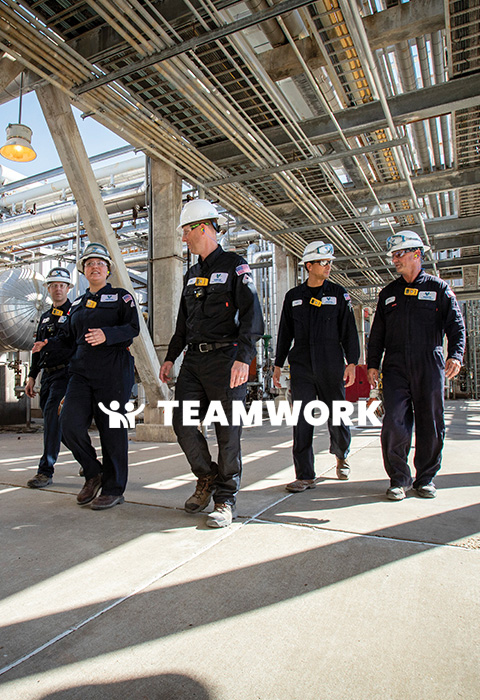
(101, 325)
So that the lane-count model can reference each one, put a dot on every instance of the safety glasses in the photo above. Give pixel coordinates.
(187, 229)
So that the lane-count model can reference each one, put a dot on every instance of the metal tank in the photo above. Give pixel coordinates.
(22, 301)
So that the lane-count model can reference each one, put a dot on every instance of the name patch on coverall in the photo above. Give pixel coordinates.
(198, 281)
(428, 296)
(389, 300)
(297, 302)
(218, 278)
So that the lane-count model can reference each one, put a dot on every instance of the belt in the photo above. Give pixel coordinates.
(49, 370)
(208, 347)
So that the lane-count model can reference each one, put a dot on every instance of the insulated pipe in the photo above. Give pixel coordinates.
(270, 28)
(427, 81)
(65, 215)
(404, 63)
(55, 188)
(351, 11)
(440, 77)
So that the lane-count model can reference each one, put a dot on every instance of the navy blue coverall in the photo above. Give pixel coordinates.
(410, 323)
(324, 335)
(54, 364)
(220, 308)
(101, 373)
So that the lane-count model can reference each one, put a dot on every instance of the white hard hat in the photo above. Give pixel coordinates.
(58, 274)
(95, 250)
(318, 250)
(403, 240)
(199, 210)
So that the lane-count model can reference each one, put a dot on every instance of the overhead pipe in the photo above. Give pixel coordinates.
(65, 215)
(55, 188)
(359, 28)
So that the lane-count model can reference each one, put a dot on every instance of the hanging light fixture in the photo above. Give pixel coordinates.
(19, 136)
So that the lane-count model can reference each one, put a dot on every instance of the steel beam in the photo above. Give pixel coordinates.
(307, 163)
(206, 38)
(394, 191)
(434, 101)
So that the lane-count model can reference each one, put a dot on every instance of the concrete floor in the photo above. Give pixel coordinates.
(331, 594)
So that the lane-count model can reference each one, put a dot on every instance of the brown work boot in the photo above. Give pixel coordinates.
(39, 481)
(90, 490)
(104, 502)
(202, 496)
(343, 469)
(300, 485)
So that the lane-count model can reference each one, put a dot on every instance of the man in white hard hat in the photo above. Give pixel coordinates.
(54, 367)
(414, 313)
(219, 320)
(318, 318)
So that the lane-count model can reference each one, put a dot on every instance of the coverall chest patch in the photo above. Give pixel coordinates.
(198, 282)
(109, 297)
(427, 296)
(329, 300)
(390, 300)
(297, 302)
(218, 277)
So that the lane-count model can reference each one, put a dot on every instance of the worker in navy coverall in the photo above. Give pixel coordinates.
(220, 320)
(318, 317)
(101, 326)
(414, 313)
(54, 368)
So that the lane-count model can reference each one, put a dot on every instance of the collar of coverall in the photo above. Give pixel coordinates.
(62, 307)
(103, 290)
(418, 278)
(211, 257)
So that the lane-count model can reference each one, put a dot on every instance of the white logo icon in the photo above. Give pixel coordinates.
(118, 420)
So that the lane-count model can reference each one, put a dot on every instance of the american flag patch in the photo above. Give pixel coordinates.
(242, 269)
(127, 298)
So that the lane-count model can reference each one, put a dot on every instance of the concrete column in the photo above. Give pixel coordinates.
(9, 70)
(68, 142)
(165, 279)
(166, 253)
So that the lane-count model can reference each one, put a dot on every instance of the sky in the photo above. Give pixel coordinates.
(96, 138)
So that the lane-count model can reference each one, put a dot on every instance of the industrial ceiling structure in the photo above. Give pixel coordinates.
(336, 120)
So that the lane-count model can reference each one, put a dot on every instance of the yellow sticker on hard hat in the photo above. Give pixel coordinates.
(315, 302)
(410, 292)
(90, 304)
(201, 282)
(57, 312)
